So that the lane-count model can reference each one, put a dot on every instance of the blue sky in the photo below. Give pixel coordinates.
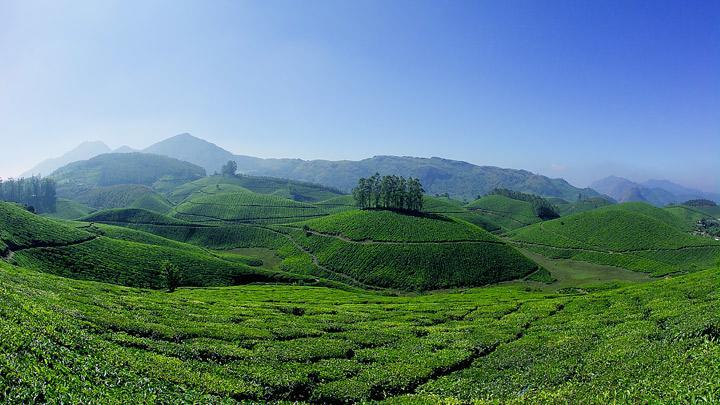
(573, 89)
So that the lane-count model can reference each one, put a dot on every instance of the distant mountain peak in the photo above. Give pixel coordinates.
(84, 151)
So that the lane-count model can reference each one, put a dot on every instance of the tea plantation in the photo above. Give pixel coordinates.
(73, 341)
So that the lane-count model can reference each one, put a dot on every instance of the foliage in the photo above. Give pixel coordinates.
(700, 203)
(36, 192)
(506, 213)
(542, 208)
(124, 196)
(69, 209)
(229, 168)
(71, 341)
(171, 274)
(389, 192)
(132, 216)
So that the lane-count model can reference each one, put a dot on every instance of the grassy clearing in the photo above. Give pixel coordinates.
(74, 341)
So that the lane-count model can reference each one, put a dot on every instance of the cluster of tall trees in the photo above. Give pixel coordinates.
(389, 192)
(543, 208)
(34, 192)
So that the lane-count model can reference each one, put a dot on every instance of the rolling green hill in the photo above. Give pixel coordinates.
(569, 208)
(88, 253)
(506, 212)
(293, 190)
(125, 196)
(392, 250)
(122, 168)
(245, 206)
(635, 236)
(69, 209)
(133, 216)
(75, 341)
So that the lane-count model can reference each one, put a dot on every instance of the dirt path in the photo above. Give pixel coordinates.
(388, 242)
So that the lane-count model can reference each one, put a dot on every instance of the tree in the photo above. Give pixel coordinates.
(389, 192)
(172, 276)
(229, 168)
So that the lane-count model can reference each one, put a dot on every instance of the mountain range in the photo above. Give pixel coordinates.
(439, 176)
(655, 192)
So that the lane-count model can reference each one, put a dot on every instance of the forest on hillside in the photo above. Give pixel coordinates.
(36, 193)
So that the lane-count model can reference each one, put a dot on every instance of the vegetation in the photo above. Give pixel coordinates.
(125, 196)
(69, 209)
(506, 212)
(74, 341)
(172, 276)
(541, 207)
(633, 236)
(132, 216)
(700, 203)
(38, 194)
(122, 168)
(229, 168)
(389, 192)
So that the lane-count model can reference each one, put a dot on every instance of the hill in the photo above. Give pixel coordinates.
(393, 250)
(78, 341)
(244, 206)
(506, 212)
(438, 176)
(132, 216)
(124, 196)
(90, 253)
(122, 168)
(69, 209)
(293, 190)
(634, 236)
(587, 204)
(84, 151)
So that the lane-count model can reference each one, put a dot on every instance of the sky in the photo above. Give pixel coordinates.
(572, 89)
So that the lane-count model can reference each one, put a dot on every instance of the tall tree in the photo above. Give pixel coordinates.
(229, 168)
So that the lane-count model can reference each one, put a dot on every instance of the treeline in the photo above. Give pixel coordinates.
(389, 192)
(700, 202)
(543, 208)
(36, 193)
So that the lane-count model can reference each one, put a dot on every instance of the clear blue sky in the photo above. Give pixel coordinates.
(574, 89)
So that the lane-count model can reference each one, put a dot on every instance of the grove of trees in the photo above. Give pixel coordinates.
(543, 208)
(38, 193)
(229, 168)
(389, 192)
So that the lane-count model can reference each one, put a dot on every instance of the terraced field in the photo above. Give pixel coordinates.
(632, 236)
(75, 341)
(245, 207)
(506, 212)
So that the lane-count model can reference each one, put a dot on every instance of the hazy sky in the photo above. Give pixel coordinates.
(574, 89)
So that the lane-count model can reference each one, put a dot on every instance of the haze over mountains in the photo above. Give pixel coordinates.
(439, 176)
(655, 192)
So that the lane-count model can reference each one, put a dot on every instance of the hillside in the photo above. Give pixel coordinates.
(438, 176)
(124, 196)
(506, 212)
(289, 189)
(77, 341)
(122, 168)
(89, 253)
(569, 208)
(393, 250)
(244, 206)
(634, 236)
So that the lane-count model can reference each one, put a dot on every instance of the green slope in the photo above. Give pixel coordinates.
(109, 255)
(122, 168)
(506, 212)
(68, 341)
(133, 216)
(69, 209)
(392, 250)
(569, 208)
(125, 196)
(635, 236)
(245, 206)
(293, 190)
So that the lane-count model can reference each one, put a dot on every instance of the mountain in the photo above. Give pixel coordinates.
(194, 150)
(655, 192)
(124, 149)
(84, 151)
(438, 175)
(123, 168)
